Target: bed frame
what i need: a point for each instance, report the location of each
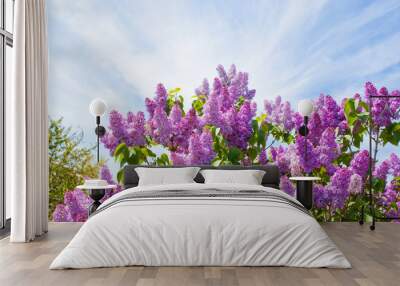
(270, 179)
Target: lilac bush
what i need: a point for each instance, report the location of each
(76, 202)
(222, 126)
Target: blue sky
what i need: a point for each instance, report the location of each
(120, 50)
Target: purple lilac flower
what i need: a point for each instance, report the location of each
(395, 105)
(246, 161)
(360, 163)
(211, 111)
(336, 193)
(356, 184)
(262, 158)
(240, 125)
(391, 199)
(130, 131)
(395, 164)
(200, 149)
(207, 142)
(320, 196)
(234, 88)
(117, 125)
(182, 131)
(287, 116)
(328, 150)
(225, 101)
(105, 174)
(281, 114)
(390, 166)
(338, 188)
(160, 127)
(298, 120)
(150, 106)
(217, 86)
(278, 155)
(175, 115)
(77, 203)
(135, 130)
(286, 186)
(309, 160)
(110, 142)
(382, 170)
(204, 89)
(161, 96)
(329, 111)
(341, 179)
(294, 161)
(381, 111)
(62, 214)
(315, 128)
(178, 159)
(232, 72)
(222, 74)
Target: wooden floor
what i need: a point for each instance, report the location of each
(375, 257)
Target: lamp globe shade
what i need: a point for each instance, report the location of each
(97, 107)
(305, 107)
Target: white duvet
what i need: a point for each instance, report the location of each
(200, 231)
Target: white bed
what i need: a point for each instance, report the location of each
(185, 230)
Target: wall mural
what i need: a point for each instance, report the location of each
(234, 116)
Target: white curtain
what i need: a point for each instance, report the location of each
(27, 123)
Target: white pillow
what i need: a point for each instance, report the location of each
(166, 176)
(248, 177)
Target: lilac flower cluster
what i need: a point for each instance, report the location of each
(221, 108)
(384, 110)
(173, 130)
(391, 196)
(334, 195)
(391, 199)
(308, 160)
(390, 166)
(227, 105)
(287, 186)
(130, 130)
(262, 158)
(200, 150)
(360, 163)
(327, 115)
(328, 150)
(280, 113)
(76, 202)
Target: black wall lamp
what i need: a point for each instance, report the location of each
(97, 108)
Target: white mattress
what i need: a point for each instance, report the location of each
(200, 231)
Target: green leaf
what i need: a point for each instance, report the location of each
(120, 149)
(391, 134)
(252, 153)
(174, 91)
(349, 107)
(234, 155)
(261, 137)
(148, 152)
(364, 105)
(120, 176)
(217, 162)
